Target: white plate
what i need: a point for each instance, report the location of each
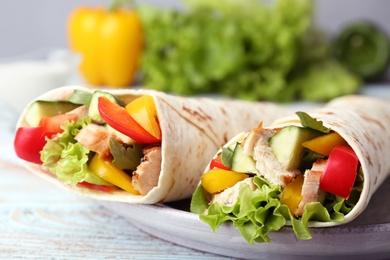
(367, 237)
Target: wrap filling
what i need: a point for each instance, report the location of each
(95, 141)
(272, 177)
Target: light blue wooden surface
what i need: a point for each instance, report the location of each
(40, 220)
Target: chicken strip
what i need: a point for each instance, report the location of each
(81, 112)
(266, 162)
(254, 136)
(96, 138)
(229, 196)
(146, 176)
(311, 191)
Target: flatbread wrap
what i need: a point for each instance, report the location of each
(311, 169)
(135, 146)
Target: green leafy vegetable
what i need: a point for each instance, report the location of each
(84, 98)
(80, 97)
(257, 213)
(308, 157)
(250, 49)
(322, 80)
(67, 158)
(199, 201)
(125, 157)
(227, 156)
(364, 48)
(312, 123)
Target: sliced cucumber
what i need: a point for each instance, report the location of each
(242, 162)
(287, 145)
(93, 112)
(41, 108)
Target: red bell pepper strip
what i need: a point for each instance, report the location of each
(29, 142)
(119, 119)
(340, 171)
(104, 188)
(217, 163)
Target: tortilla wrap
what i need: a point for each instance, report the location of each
(363, 123)
(193, 129)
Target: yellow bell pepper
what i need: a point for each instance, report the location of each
(217, 180)
(107, 171)
(144, 112)
(324, 144)
(109, 42)
(292, 193)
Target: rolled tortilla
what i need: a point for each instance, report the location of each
(193, 129)
(362, 122)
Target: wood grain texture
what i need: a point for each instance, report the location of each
(39, 220)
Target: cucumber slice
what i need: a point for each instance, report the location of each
(287, 145)
(41, 108)
(242, 162)
(93, 111)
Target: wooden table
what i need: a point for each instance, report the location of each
(40, 220)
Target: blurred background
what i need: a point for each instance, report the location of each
(37, 30)
(26, 26)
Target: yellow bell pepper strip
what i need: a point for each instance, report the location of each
(144, 112)
(217, 180)
(292, 193)
(109, 42)
(118, 118)
(107, 171)
(340, 171)
(324, 144)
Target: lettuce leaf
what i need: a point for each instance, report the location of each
(80, 97)
(245, 47)
(257, 213)
(67, 158)
(254, 50)
(227, 156)
(312, 123)
(125, 158)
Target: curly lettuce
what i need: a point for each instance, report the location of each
(254, 50)
(67, 158)
(257, 213)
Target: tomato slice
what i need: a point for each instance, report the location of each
(29, 142)
(119, 119)
(53, 123)
(217, 163)
(340, 171)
